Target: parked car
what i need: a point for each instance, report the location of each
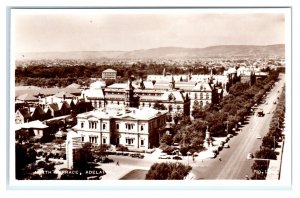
(177, 157)
(164, 156)
(226, 145)
(249, 156)
(258, 137)
(107, 160)
(137, 155)
(212, 155)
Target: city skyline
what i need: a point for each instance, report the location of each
(135, 31)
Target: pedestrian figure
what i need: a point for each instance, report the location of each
(193, 159)
(117, 163)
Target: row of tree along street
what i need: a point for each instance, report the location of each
(270, 141)
(221, 119)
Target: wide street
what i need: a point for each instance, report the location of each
(234, 164)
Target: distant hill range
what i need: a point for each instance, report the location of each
(165, 52)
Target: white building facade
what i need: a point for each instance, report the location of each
(116, 125)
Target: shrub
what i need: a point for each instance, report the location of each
(168, 171)
(41, 164)
(122, 148)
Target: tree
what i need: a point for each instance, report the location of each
(25, 161)
(168, 171)
(266, 153)
(166, 139)
(101, 149)
(198, 111)
(49, 171)
(269, 141)
(259, 169)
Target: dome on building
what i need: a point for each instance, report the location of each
(98, 85)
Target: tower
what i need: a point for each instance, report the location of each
(164, 72)
(141, 84)
(172, 83)
(129, 101)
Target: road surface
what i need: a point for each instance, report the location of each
(234, 164)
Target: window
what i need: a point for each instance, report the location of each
(142, 142)
(129, 126)
(104, 140)
(142, 128)
(117, 126)
(93, 125)
(82, 124)
(129, 140)
(103, 126)
(82, 139)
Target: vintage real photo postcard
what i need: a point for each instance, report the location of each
(193, 95)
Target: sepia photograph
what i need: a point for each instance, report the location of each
(194, 95)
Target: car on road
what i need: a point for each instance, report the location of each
(164, 156)
(226, 145)
(212, 155)
(266, 103)
(258, 137)
(274, 102)
(137, 155)
(177, 157)
(249, 156)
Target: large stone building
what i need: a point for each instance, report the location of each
(135, 128)
(139, 94)
(109, 74)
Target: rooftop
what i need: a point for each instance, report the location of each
(121, 112)
(110, 70)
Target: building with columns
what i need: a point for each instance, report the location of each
(139, 94)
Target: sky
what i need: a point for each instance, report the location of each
(134, 31)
